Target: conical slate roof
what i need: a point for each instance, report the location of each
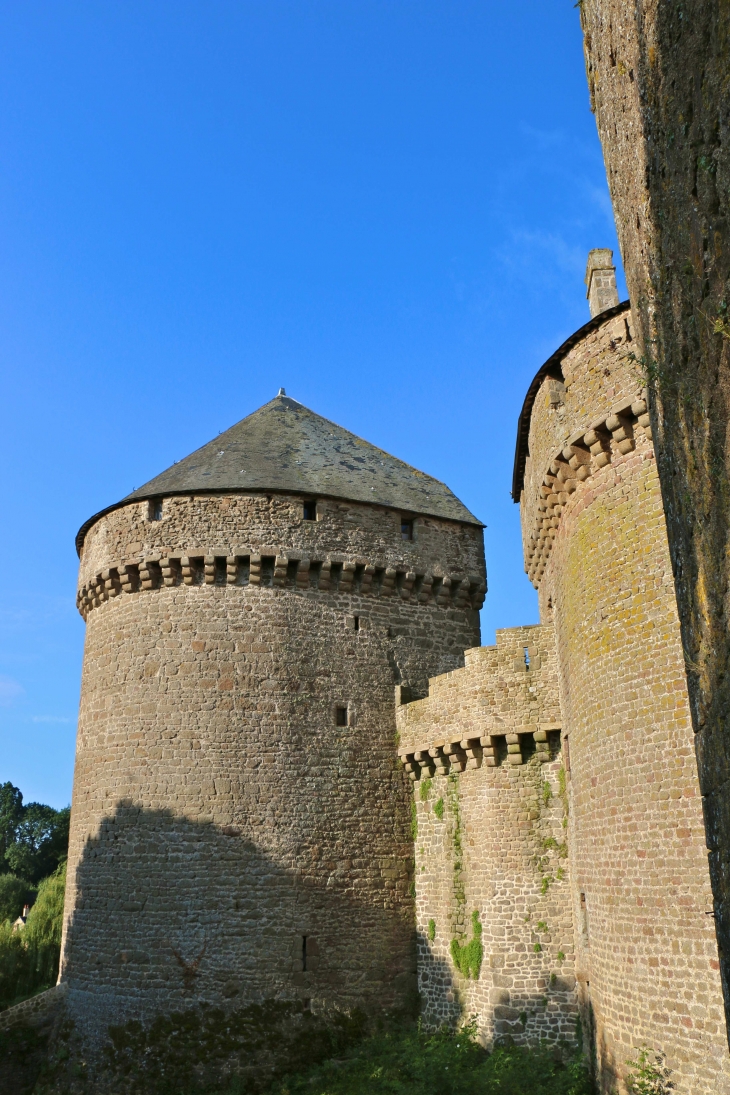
(283, 446)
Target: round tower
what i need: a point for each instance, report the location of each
(596, 550)
(240, 828)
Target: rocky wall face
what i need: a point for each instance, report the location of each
(231, 524)
(493, 910)
(647, 962)
(240, 827)
(658, 77)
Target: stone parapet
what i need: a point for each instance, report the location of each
(279, 569)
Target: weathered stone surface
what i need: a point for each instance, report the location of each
(659, 76)
(496, 845)
(555, 783)
(240, 824)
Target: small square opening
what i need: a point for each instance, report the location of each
(406, 528)
(340, 716)
(310, 511)
(155, 510)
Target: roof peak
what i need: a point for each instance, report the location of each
(284, 446)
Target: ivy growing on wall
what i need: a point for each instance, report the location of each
(468, 957)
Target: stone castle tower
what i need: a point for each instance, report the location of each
(241, 825)
(240, 822)
(560, 821)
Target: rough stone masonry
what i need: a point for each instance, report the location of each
(519, 836)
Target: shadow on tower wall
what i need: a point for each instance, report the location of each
(191, 951)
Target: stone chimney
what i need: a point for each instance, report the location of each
(601, 281)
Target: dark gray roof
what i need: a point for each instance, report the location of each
(283, 446)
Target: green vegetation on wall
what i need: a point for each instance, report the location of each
(468, 958)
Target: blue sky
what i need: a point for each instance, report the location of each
(384, 206)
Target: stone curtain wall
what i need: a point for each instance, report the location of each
(647, 960)
(231, 840)
(490, 826)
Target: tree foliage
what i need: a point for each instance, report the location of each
(29, 956)
(14, 894)
(33, 837)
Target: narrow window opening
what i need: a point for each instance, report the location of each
(357, 623)
(584, 918)
(566, 755)
(304, 952)
(310, 511)
(155, 510)
(399, 580)
(340, 716)
(406, 529)
(526, 651)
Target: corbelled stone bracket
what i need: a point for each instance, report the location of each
(280, 570)
(586, 452)
(489, 751)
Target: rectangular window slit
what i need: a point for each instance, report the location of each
(304, 953)
(310, 511)
(340, 716)
(406, 528)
